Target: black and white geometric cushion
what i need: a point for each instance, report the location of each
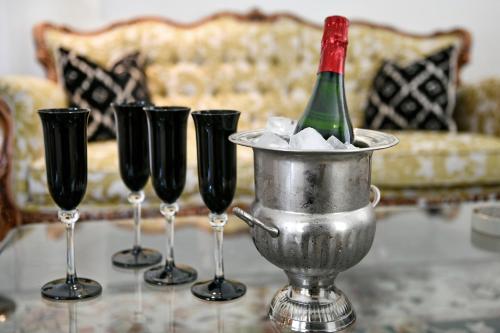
(418, 96)
(88, 85)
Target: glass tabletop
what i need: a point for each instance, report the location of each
(423, 274)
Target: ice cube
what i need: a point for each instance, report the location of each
(281, 125)
(336, 143)
(309, 139)
(270, 140)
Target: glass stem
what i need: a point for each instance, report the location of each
(137, 226)
(169, 211)
(136, 199)
(69, 219)
(218, 221)
(70, 259)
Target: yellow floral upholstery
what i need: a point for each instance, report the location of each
(262, 68)
(478, 107)
(25, 95)
(422, 161)
(437, 159)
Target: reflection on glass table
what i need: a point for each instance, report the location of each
(7, 308)
(423, 274)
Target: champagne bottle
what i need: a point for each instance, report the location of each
(327, 110)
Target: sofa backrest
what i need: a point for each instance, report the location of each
(255, 63)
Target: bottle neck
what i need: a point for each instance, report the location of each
(327, 110)
(335, 82)
(333, 58)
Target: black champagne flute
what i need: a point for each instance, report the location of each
(132, 136)
(65, 139)
(217, 184)
(167, 149)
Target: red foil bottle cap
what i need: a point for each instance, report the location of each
(334, 44)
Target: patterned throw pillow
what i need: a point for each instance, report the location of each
(90, 86)
(418, 96)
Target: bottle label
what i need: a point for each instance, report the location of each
(334, 45)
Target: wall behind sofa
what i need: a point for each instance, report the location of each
(17, 17)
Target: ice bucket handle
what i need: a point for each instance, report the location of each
(376, 195)
(252, 221)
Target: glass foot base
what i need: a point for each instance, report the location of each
(218, 290)
(59, 290)
(136, 258)
(170, 275)
(332, 314)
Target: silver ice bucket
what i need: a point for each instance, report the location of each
(312, 217)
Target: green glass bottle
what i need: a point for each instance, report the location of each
(327, 110)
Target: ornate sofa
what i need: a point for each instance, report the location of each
(259, 64)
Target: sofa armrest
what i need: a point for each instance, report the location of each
(9, 212)
(478, 107)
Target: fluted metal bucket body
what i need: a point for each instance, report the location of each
(320, 205)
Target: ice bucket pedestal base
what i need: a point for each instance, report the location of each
(311, 310)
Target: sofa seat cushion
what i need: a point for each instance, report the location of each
(421, 160)
(105, 186)
(432, 159)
